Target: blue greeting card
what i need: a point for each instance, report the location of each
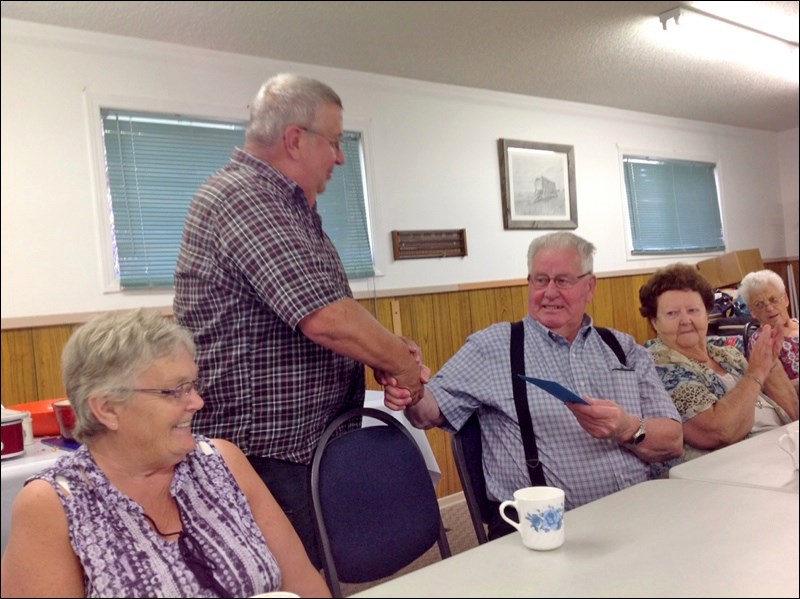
(556, 390)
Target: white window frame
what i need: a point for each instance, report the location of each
(623, 151)
(94, 102)
(373, 208)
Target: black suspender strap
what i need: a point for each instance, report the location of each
(613, 343)
(517, 355)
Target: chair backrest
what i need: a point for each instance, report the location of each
(750, 328)
(374, 504)
(468, 454)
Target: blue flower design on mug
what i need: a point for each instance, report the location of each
(549, 519)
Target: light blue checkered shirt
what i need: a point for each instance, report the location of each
(478, 377)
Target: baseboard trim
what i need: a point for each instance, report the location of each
(450, 500)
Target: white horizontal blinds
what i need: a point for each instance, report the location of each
(343, 210)
(673, 206)
(155, 163)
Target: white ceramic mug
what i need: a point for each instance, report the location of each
(541, 516)
(789, 443)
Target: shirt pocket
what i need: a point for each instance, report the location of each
(623, 389)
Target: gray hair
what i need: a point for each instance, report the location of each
(285, 100)
(563, 240)
(105, 356)
(756, 281)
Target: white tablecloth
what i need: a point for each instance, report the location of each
(755, 462)
(662, 538)
(14, 473)
(374, 399)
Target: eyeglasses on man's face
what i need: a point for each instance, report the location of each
(560, 281)
(334, 142)
(181, 393)
(773, 301)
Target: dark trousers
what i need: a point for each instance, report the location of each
(497, 527)
(290, 484)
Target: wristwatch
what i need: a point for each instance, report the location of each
(638, 436)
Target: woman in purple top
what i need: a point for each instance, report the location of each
(145, 508)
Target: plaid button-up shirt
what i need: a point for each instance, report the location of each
(254, 261)
(478, 377)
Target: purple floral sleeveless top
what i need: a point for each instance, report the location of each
(121, 554)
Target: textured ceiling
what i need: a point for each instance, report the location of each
(604, 53)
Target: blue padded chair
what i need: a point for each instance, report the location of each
(374, 504)
(468, 455)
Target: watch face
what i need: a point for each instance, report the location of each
(638, 436)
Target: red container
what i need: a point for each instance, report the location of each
(65, 416)
(43, 416)
(13, 437)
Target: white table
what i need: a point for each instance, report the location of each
(662, 538)
(754, 462)
(15, 472)
(374, 399)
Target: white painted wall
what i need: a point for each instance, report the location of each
(432, 159)
(789, 156)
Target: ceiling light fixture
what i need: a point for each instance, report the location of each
(678, 12)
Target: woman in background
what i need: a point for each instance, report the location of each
(765, 295)
(720, 396)
(145, 508)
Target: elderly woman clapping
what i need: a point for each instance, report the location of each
(720, 396)
(145, 508)
(765, 295)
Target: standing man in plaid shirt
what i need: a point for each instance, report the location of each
(281, 343)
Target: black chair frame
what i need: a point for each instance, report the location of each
(749, 328)
(468, 454)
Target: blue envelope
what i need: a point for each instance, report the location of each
(61, 443)
(556, 390)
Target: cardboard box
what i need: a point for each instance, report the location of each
(729, 269)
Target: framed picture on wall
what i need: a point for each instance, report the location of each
(537, 184)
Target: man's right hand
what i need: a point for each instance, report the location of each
(396, 395)
(397, 398)
(407, 387)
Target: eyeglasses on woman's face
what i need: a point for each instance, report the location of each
(773, 301)
(179, 394)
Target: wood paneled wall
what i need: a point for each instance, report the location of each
(438, 322)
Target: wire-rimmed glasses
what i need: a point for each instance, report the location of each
(335, 143)
(180, 393)
(560, 281)
(773, 301)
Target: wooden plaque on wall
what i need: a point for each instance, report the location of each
(436, 243)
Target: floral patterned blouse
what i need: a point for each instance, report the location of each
(694, 387)
(790, 348)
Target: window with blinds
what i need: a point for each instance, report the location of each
(673, 206)
(343, 209)
(155, 163)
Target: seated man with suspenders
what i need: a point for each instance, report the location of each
(589, 450)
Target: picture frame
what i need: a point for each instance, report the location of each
(537, 185)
